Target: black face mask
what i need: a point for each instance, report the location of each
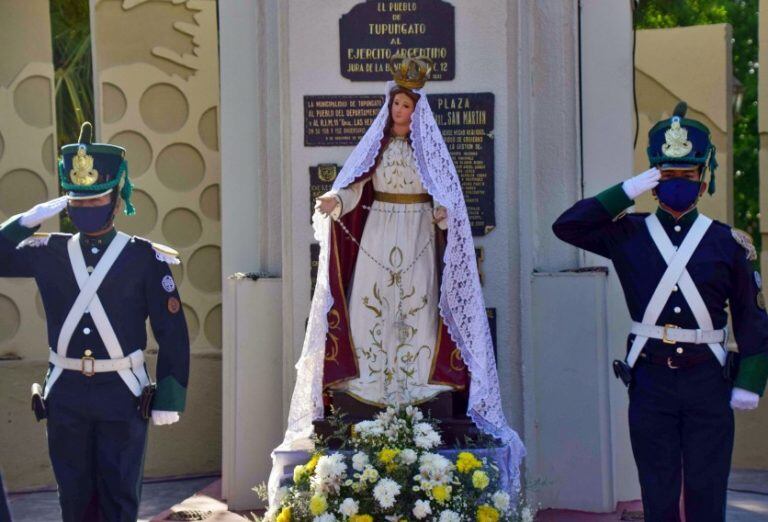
(91, 219)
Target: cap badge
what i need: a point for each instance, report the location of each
(676, 137)
(82, 172)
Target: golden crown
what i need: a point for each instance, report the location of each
(410, 72)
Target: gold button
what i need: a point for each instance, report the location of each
(88, 353)
(679, 350)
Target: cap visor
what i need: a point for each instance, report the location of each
(87, 195)
(678, 166)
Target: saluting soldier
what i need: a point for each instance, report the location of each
(98, 287)
(680, 271)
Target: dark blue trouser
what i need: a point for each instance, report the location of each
(96, 440)
(681, 427)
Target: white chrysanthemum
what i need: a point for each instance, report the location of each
(349, 507)
(329, 473)
(408, 456)
(359, 461)
(421, 509)
(501, 501)
(385, 492)
(449, 516)
(370, 474)
(526, 514)
(325, 517)
(434, 470)
(425, 436)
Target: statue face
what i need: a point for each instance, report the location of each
(402, 108)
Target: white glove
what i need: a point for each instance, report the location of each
(163, 418)
(743, 399)
(644, 182)
(43, 211)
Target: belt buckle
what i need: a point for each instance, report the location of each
(92, 371)
(664, 338)
(671, 365)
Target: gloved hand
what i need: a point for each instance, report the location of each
(644, 182)
(43, 211)
(743, 399)
(163, 418)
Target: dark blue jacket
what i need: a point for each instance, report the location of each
(719, 267)
(139, 285)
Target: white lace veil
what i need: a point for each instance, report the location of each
(461, 299)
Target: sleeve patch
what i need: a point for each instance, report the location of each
(169, 285)
(173, 305)
(745, 240)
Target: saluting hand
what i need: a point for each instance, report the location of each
(42, 212)
(743, 399)
(641, 183)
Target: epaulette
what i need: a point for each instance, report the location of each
(162, 252)
(166, 254)
(745, 240)
(39, 239)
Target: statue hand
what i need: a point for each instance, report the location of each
(440, 217)
(326, 204)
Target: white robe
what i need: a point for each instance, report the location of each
(394, 320)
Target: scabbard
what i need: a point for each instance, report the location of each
(38, 403)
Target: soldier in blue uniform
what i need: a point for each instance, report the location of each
(98, 287)
(680, 271)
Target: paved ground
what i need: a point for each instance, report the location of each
(747, 501)
(156, 497)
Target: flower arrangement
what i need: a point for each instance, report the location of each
(392, 474)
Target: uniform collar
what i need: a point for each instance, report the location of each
(685, 220)
(99, 241)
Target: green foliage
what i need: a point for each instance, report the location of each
(743, 17)
(71, 35)
(73, 72)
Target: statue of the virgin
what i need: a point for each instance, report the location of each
(398, 315)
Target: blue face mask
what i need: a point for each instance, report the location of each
(679, 194)
(91, 219)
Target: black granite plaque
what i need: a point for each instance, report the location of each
(480, 257)
(491, 313)
(375, 30)
(466, 122)
(321, 178)
(338, 120)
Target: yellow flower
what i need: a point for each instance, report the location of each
(310, 466)
(467, 462)
(318, 504)
(480, 479)
(285, 515)
(441, 493)
(361, 518)
(387, 455)
(298, 472)
(486, 513)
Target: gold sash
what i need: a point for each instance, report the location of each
(403, 199)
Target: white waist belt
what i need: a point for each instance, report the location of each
(90, 366)
(671, 334)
